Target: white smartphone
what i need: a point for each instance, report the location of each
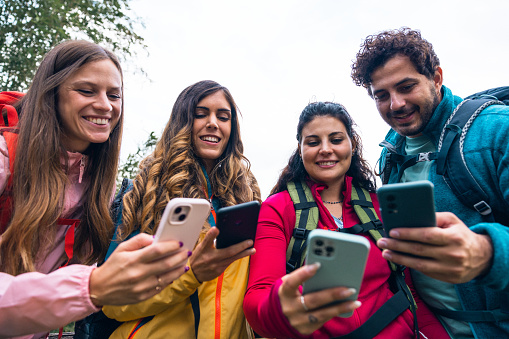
(182, 220)
(342, 259)
(409, 204)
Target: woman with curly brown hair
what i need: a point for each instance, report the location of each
(199, 155)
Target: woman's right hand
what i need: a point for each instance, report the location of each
(137, 270)
(208, 262)
(306, 321)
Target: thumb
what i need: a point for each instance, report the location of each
(292, 281)
(212, 234)
(446, 219)
(135, 243)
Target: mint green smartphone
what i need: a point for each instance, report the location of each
(409, 204)
(342, 259)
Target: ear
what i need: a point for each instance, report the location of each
(438, 80)
(298, 149)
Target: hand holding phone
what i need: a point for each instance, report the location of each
(409, 204)
(342, 259)
(182, 220)
(237, 223)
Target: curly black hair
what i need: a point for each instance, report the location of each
(377, 49)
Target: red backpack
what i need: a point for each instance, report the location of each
(9, 130)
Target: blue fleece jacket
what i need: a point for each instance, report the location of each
(486, 151)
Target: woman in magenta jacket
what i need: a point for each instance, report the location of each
(329, 158)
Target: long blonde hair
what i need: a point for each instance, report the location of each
(174, 170)
(39, 180)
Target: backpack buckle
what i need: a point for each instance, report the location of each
(483, 208)
(423, 157)
(300, 233)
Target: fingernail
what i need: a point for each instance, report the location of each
(313, 267)
(382, 242)
(394, 234)
(349, 292)
(386, 255)
(181, 243)
(189, 253)
(186, 269)
(356, 304)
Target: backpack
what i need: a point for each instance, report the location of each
(306, 220)
(449, 157)
(8, 128)
(98, 325)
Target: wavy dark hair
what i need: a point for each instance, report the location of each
(359, 169)
(174, 169)
(40, 180)
(377, 49)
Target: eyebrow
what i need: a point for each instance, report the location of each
(92, 84)
(208, 109)
(330, 134)
(397, 84)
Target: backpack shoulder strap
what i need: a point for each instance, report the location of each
(11, 139)
(451, 162)
(306, 219)
(116, 213)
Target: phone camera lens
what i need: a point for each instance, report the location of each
(329, 249)
(182, 217)
(391, 197)
(319, 243)
(392, 205)
(178, 210)
(318, 251)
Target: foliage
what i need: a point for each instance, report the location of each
(130, 167)
(30, 28)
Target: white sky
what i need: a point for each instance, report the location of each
(277, 56)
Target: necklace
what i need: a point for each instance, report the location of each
(332, 202)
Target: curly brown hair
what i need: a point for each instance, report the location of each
(174, 169)
(377, 49)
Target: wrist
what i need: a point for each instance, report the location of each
(487, 254)
(93, 289)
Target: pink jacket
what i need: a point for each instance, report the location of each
(261, 303)
(38, 302)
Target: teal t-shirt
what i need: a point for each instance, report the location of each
(428, 287)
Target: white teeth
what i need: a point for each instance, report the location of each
(211, 139)
(98, 121)
(327, 163)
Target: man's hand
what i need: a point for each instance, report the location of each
(450, 252)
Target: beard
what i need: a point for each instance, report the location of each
(426, 111)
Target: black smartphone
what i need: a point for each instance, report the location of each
(237, 223)
(409, 204)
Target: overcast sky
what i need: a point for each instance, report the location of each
(277, 56)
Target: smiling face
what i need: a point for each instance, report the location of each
(326, 150)
(211, 128)
(90, 104)
(405, 98)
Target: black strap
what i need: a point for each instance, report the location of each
(195, 304)
(389, 311)
(472, 316)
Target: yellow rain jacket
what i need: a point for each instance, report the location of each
(221, 314)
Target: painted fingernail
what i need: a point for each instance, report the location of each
(181, 243)
(355, 304)
(189, 253)
(348, 292)
(186, 269)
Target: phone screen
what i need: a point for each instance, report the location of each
(237, 223)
